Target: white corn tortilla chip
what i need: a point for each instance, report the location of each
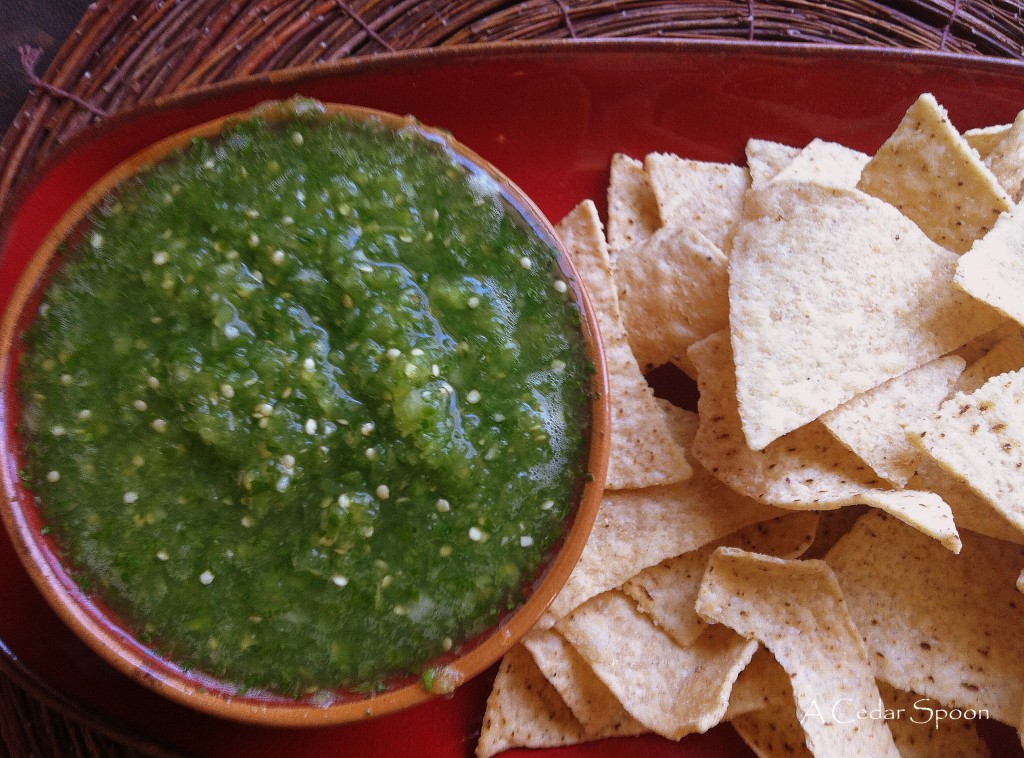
(806, 469)
(524, 710)
(765, 159)
(993, 269)
(704, 196)
(1006, 159)
(796, 610)
(590, 700)
(929, 171)
(667, 592)
(635, 529)
(673, 291)
(827, 163)
(873, 424)
(832, 292)
(945, 626)
(985, 138)
(979, 438)
(1005, 356)
(917, 732)
(632, 209)
(670, 689)
(643, 452)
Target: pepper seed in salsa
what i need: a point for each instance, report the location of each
(306, 404)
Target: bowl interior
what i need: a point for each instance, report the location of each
(106, 633)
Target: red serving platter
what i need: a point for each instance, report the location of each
(549, 115)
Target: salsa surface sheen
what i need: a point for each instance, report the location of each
(306, 404)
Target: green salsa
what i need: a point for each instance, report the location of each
(306, 404)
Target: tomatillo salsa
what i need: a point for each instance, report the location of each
(307, 404)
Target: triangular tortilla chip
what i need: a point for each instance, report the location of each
(704, 196)
(524, 710)
(806, 469)
(929, 171)
(993, 270)
(1006, 159)
(979, 438)
(945, 626)
(1005, 356)
(985, 138)
(796, 610)
(765, 159)
(674, 290)
(590, 700)
(667, 592)
(643, 452)
(832, 292)
(873, 424)
(687, 691)
(826, 163)
(632, 209)
(635, 529)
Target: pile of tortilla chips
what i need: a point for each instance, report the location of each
(828, 554)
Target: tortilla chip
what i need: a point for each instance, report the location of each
(668, 592)
(873, 424)
(806, 469)
(979, 438)
(670, 689)
(590, 700)
(761, 683)
(985, 138)
(632, 209)
(832, 525)
(1006, 159)
(643, 452)
(674, 290)
(970, 510)
(1005, 356)
(993, 269)
(773, 732)
(826, 163)
(980, 345)
(947, 627)
(765, 159)
(524, 710)
(807, 275)
(636, 529)
(918, 735)
(704, 196)
(796, 610)
(930, 172)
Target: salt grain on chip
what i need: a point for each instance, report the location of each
(643, 452)
(945, 626)
(796, 609)
(929, 171)
(832, 292)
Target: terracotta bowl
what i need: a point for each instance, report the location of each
(113, 640)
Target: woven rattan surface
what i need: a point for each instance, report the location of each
(125, 52)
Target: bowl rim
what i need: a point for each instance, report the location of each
(115, 644)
